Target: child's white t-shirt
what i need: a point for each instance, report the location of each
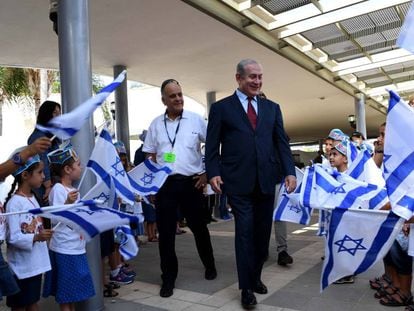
(65, 240)
(26, 258)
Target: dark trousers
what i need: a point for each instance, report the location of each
(180, 194)
(253, 220)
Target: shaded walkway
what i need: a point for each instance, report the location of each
(290, 288)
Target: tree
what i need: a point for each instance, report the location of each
(22, 86)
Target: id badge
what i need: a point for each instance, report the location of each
(169, 157)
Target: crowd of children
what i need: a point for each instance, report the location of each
(393, 288)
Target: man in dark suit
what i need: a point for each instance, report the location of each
(247, 150)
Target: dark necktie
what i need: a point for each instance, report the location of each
(251, 113)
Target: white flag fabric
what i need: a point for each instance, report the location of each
(102, 192)
(107, 165)
(363, 168)
(148, 177)
(288, 206)
(322, 190)
(356, 240)
(88, 219)
(399, 156)
(68, 124)
(128, 247)
(406, 39)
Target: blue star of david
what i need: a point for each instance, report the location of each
(339, 189)
(294, 208)
(103, 196)
(147, 179)
(357, 243)
(115, 167)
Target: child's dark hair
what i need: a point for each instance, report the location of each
(18, 181)
(57, 169)
(45, 113)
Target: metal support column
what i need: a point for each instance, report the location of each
(361, 125)
(76, 87)
(121, 110)
(211, 98)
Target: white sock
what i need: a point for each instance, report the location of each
(115, 272)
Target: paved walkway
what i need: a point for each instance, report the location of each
(290, 288)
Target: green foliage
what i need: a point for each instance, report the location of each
(13, 83)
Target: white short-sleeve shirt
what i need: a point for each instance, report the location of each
(187, 148)
(65, 240)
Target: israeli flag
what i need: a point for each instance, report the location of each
(399, 156)
(288, 206)
(323, 190)
(148, 177)
(128, 247)
(363, 168)
(68, 124)
(356, 240)
(323, 221)
(406, 39)
(107, 165)
(105, 194)
(88, 219)
(351, 152)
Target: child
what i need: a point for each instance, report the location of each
(70, 280)
(338, 158)
(26, 238)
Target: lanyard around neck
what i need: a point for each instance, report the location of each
(172, 141)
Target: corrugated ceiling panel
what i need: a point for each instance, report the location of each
(370, 40)
(340, 47)
(391, 34)
(280, 6)
(365, 73)
(385, 16)
(357, 23)
(323, 33)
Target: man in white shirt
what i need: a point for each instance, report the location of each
(174, 139)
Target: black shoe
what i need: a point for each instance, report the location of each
(260, 288)
(248, 300)
(210, 274)
(284, 259)
(166, 290)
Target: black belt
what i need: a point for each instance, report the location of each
(180, 177)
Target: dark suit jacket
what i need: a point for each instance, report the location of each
(247, 155)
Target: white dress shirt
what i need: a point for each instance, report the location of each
(187, 147)
(244, 101)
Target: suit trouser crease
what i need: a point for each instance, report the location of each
(174, 195)
(253, 225)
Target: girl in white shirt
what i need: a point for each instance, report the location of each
(26, 238)
(70, 280)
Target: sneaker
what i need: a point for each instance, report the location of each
(121, 278)
(227, 217)
(284, 259)
(128, 271)
(346, 280)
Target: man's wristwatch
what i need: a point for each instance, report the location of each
(17, 159)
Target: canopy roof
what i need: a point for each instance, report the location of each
(312, 51)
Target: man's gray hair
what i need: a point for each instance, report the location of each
(240, 69)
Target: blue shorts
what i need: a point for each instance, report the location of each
(149, 213)
(29, 292)
(399, 259)
(8, 284)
